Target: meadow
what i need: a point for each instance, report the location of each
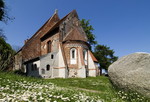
(17, 88)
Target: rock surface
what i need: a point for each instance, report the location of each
(132, 72)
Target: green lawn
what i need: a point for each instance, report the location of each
(23, 89)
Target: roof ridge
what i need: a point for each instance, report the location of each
(57, 24)
(43, 26)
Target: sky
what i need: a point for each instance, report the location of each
(122, 25)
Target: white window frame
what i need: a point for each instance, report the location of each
(73, 59)
(85, 56)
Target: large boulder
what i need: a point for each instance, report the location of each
(132, 72)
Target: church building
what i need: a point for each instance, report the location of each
(59, 49)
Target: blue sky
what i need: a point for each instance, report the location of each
(123, 25)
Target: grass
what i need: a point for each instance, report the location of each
(23, 89)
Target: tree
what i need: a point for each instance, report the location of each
(3, 12)
(88, 30)
(105, 56)
(2, 34)
(6, 52)
(3, 17)
(6, 55)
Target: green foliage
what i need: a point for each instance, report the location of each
(6, 52)
(104, 55)
(6, 55)
(88, 30)
(2, 34)
(4, 17)
(2, 12)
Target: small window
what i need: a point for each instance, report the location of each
(73, 56)
(85, 54)
(73, 53)
(52, 56)
(48, 67)
(35, 66)
(48, 46)
(43, 71)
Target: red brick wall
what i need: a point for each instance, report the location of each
(32, 48)
(54, 44)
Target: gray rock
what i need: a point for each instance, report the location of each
(132, 72)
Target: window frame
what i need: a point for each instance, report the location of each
(85, 54)
(73, 55)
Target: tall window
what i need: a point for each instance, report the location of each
(48, 46)
(52, 56)
(35, 66)
(85, 56)
(48, 67)
(73, 56)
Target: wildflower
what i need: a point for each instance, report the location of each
(123, 97)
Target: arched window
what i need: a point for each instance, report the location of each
(52, 56)
(35, 66)
(73, 53)
(85, 56)
(48, 46)
(48, 67)
(73, 56)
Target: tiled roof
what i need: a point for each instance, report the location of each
(57, 24)
(54, 18)
(48, 22)
(75, 35)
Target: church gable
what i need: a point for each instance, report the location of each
(71, 28)
(32, 47)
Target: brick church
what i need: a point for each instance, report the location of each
(59, 49)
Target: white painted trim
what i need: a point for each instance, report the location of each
(73, 60)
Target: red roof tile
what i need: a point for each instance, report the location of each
(75, 35)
